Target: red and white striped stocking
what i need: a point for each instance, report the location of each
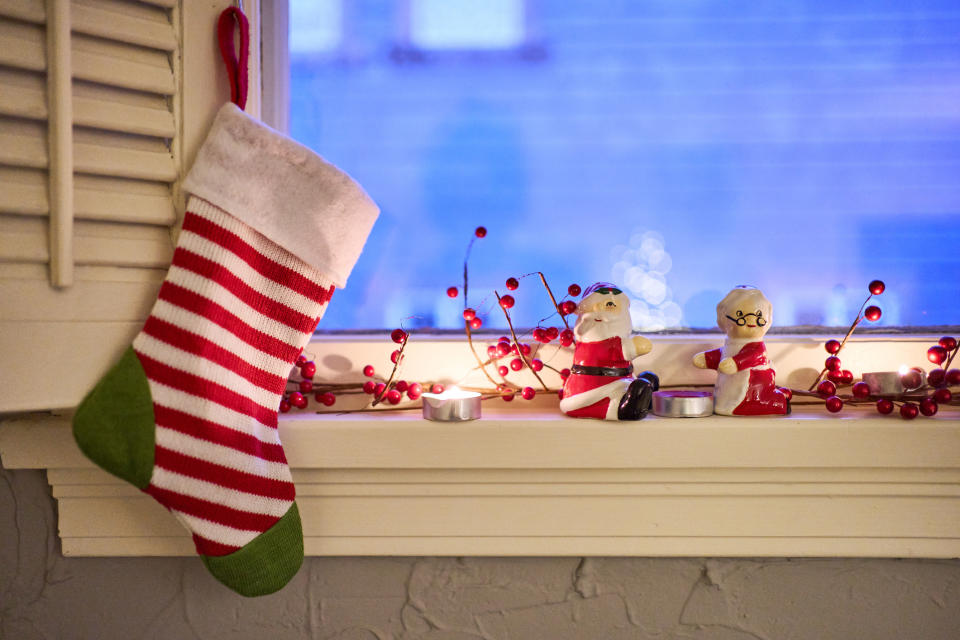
(189, 415)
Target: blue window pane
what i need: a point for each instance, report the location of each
(675, 148)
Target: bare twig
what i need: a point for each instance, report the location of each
(516, 344)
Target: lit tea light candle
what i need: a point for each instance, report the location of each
(893, 383)
(453, 405)
(678, 403)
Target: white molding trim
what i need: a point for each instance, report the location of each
(275, 64)
(533, 482)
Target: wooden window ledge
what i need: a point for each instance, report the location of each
(528, 481)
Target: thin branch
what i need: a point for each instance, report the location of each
(843, 342)
(516, 343)
(552, 299)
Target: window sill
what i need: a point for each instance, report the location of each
(528, 481)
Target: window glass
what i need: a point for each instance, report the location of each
(674, 148)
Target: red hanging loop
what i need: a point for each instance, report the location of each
(236, 70)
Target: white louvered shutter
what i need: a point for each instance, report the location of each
(85, 210)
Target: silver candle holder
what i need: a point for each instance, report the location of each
(678, 403)
(453, 405)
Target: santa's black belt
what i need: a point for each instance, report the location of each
(612, 372)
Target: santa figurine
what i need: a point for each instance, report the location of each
(601, 383)
(746, 383)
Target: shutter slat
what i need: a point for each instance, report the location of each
(115, 116)
(122, 65)
(26, 10)
(126, 163)
(120, 21)
(118, 200)
(22, 46)
(23, 95)
(23, 240)
(23, 143)
(24, 192)
(95, 198)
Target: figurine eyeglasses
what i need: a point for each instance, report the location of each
(741, 319)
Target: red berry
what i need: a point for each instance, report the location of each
(937, 354)
(492, 352)
(525, 348)
(835, 377)
(908, 411)
(826, 388)
(379, 389)
(567, 307)
(395, 356)
(536, 364)
(284, 406)
(884, 406)
(480, 232)
(832, 346)
(414, 390)
(861, 390)
(539, 334)
(476, 323)
(507, 397)
(301, 359)
(394, 396)
(846, 376)
(876, 287)
(834, 404)
(928, 406)
(872, 313)
(566, 338)
(516, 364)
(787, 393)
(368, 371)
(943, 396)
(936, 377)
(436, 388)
(326, 399)
(948, 343)
(832, 363)
(306, 386)
(564, 373)
(574, 290)
(528, 393)
(512, 283)
(369, 387)
(953, 377)
(560, 393)
(452, 292)
(399, 336)
(912, 379)
(504, 339)
(503, 370)
(469, 314)
(298, 400)
(308, 369)
(507, 301)
(503, 348)
(401, 385)
(552, 333)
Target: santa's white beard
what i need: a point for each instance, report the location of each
(611, 325)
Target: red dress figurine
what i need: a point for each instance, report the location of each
(746, 383)
(601, 383)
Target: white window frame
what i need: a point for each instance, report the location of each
(526, 480)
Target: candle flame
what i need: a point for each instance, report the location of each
(453, 393)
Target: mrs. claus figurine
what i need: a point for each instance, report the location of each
(601, 383)
(745, 377)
